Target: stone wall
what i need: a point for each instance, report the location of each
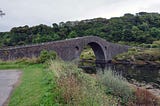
(68, 49)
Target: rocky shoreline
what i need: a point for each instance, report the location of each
(152, 88)
(137, 63)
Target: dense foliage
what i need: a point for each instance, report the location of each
(47, 55)
(139, 28)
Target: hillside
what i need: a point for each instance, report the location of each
(129, 29)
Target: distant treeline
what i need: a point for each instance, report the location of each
(139, 28)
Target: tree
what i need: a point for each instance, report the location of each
(155, 32)
(142, 27)
(1, 13)
(55, 27)
(72, 34)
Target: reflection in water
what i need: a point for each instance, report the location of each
(145, 74)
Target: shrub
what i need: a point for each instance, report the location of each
(157, 43)
(132, 49)
(145, 45)
(116, 85)
(47, 55)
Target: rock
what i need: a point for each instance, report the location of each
(149, 87)
(155, 92)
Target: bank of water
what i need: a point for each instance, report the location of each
(142, 76)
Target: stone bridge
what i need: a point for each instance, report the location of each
(67, 50)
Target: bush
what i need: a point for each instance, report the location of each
(132, 49)
(145, 45)
(116, 85)
(155, 45)
(47, 55)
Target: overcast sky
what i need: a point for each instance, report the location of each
(35, 12)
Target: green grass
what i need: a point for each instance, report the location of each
(10, 65)
(78, 88)
(31, 89)
(61, 83)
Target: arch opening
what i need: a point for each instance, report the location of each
(92, 57)
(87, 53)
(94, 52)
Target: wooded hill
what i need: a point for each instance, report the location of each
(136, 29)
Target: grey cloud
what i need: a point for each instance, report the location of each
(33, 12)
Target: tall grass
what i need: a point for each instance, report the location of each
(116, 85)
(77, 88)
(129, 95)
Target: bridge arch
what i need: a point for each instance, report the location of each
(97, 47)
(98, 50)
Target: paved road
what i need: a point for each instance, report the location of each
(7, 79)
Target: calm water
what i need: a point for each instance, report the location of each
(143, 74)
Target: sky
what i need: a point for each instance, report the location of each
(35, 12)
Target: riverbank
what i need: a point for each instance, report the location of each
(145, 96)
(139, 57)
(148, 87)
(61, 83)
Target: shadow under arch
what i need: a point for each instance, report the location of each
(99, 54)
(98, 51)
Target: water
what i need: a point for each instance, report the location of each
(141, 74)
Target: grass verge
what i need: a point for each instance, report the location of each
(31, 89)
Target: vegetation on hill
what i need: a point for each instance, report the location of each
(129, 29)
(139, 56)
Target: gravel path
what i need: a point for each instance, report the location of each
(8, 78)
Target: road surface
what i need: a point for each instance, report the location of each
(8, 78)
